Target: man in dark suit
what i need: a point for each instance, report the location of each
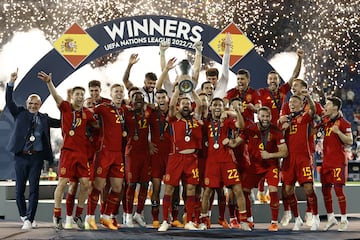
(30, 143)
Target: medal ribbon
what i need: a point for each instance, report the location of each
(264, 140)
(187, 129)
(161, 124)
(215, 133)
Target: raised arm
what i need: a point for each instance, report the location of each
(297, 68)
(197, 63)
(48, 80)
(311, 102)
(132, 60)
(221, 86)
(165, 75)
(198, 108)
(173, 102)
(13, 108)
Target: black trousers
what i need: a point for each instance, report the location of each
(27, 167)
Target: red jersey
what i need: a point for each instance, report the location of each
(249, 96)
(112, 126)
(297, 135)
(178, 133)
(137, 131)
(159, 127)
(259, 140)
(73, 126)
(334, 152)
(274, 100)
(214, 131)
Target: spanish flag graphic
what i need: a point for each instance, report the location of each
(75, 45)
(241, 44)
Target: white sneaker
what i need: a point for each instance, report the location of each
(69, 222)
(164, 226)
(202, 226)
(190, 226)
(343, 226)
(26, 225)
(34, 224)
(245, 226)
(124, 218)
(298, 223)
(308, 219)
(139, 219)
(23, 218)
(129, 220)
(286, 218)
(330, 223)
(315, 223)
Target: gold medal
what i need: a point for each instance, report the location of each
(206, 144)
(124, 133)
(187, 138)
(71, 132)
(136, 137)
(32, 138)
(216, 145)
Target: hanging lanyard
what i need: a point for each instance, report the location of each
(215, 133)
(122, 119)
(161, 125)
(74, 123)
(188, 130)
(151, 100)
(277, 101)
(264, 140)
(136, 134)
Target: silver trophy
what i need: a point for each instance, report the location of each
(184, 72)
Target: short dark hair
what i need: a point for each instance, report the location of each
(235, 99)
(94, 83)
(335, 101)
(151, 76)
(296, 96)
(203, 84)
(212, 72)
(161, 91)
(77, 88)
(264, 108)
(216, 99)
(302, 82)
(245, 72)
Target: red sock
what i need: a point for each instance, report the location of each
(222, 205)
(130, 193)
(166, 206)
(293, 204)
(313, 202)
(175, 213)
(190, 205)
(326, 191)
(248, 204)
(155, 210)
(286, 203)
(141, 199)
(112, 201)
(341, 198)
(70, 203)
(231, 207)
(211, 201)
(57, 212)
(93, 201)
(242, 216)
(79, 211)
(261, 187)
(274, 205)
(197, 209)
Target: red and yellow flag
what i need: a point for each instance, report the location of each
(75, 45)
(241, 44)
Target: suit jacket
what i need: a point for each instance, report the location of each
(22, 126)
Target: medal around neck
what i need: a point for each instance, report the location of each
(71, 132)
(124, 133)
(216, 145)
(136, 137)
(32, 138)
(187, 138)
